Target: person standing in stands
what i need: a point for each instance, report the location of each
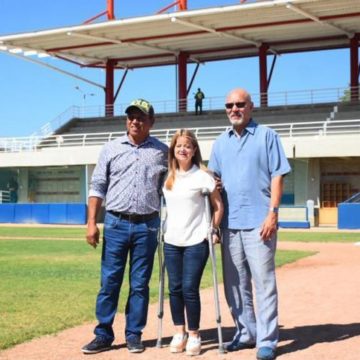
(186, 249)
(199, 96)
(251, 163)
(129, 175)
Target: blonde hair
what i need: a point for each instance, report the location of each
(173, 163)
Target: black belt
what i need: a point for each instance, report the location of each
(135, 218)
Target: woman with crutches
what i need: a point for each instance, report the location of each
(186, 248)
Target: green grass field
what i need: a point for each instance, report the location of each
(319, 237)
(48, 285)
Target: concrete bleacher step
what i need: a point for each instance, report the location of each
(269, 115)
(347, 111)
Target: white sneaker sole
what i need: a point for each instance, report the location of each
(85, 351)
(193, 352)
(176, 350)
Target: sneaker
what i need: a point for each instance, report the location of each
(236, 345)
(193, 346)
(178, 343)
(134, 344)
(266, 353)
(97, 345)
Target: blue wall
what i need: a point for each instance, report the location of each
(349, 216)
(66, 213)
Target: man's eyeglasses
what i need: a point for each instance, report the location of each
(239, 105)
(138, 117)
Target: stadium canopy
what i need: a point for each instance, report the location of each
(198, 36)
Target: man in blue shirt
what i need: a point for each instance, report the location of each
(250, 161)
(129, 176)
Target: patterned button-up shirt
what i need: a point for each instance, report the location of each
(129, 176)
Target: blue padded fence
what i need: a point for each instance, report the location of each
(294, 217)
(63, 213)
(349, 213)
(349, 216)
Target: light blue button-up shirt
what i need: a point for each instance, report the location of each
(129, 176)
(246, 165)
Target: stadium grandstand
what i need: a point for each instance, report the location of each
(319, 128)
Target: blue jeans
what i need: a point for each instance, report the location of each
(121, 238)
(185, 266)
(247, 257)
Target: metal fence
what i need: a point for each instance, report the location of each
(4, 196)
(280, 98)
(285, 130)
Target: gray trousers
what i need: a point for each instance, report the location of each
(247, 257)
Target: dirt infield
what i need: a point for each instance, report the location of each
(319, 317)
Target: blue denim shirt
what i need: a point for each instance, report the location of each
(130, 176)
(246, 165)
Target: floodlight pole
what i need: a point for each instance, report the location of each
(110, 70)
(354, 68)
(109, 88)
(110, 64)
(182, 5)
(263, 75)
(182, 76)
(110, 10)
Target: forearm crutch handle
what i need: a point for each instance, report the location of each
(206, 194)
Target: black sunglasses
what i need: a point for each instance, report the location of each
(138, 117)
(239, 105)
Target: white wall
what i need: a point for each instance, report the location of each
(299, 147)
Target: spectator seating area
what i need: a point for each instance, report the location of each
(269, 115)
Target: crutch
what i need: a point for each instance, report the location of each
(161, 272)
(206, 194)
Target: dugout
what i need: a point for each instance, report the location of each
(47, 195)
(349, 213)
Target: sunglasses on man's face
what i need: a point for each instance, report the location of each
(138, 117)
(239, 105)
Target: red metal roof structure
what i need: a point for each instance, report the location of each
(198, 36)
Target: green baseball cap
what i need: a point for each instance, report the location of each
(142, 105)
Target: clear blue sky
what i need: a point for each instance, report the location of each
(32, 95)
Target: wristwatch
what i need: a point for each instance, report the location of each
(274, 209)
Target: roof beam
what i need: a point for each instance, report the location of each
(316, 19)
(55, 69)
(93, 37)
(15, 49)
(100, 38)
(174, 19)
(119, 42)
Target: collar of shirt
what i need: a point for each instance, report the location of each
(126, 140)
(186, 173)
(250, 128)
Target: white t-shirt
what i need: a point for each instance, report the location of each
(186, 219)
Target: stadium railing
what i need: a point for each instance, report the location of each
(285, 130)
(281, 98)
(4, 196)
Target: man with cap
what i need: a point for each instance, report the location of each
(128, 176)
